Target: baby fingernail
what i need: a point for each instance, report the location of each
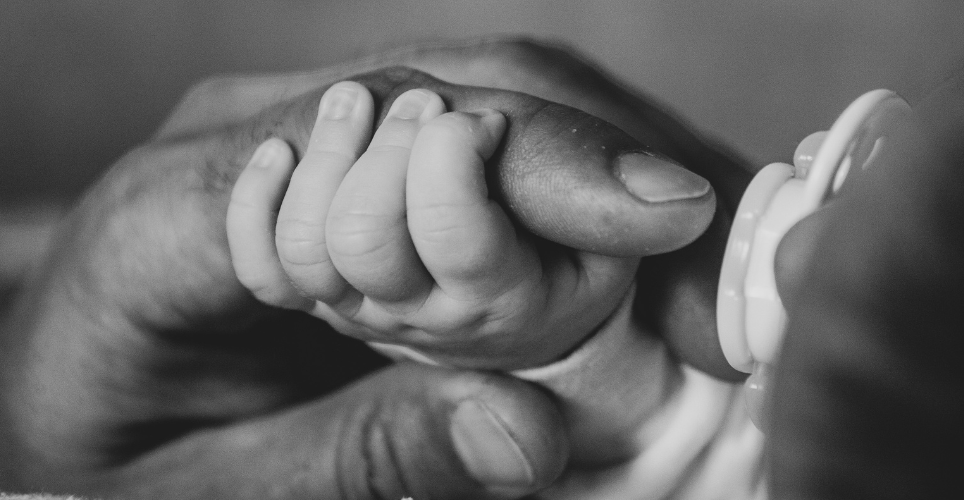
(658, 180)
(267, 153)
(338, 102)
(410, 105)
(488, 450)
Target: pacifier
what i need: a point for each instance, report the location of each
(751, 320)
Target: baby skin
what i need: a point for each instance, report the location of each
(393, 238)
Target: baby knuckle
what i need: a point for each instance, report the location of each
(299, 226)
(477, 266)
(454, 126)
(473, 265)
(300, 242)
(469, 319)
(299, 255)
(389, 150)
(328, 154)
(440, 223)
(458, 319)
(357, 235)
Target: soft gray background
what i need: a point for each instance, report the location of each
(83, 80)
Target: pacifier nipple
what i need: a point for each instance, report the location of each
(806, 152)
(755, 389)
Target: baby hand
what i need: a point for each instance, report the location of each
(394, 238)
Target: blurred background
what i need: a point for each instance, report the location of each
(81, 81)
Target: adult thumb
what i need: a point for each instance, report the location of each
(563, 174)
(407, 431)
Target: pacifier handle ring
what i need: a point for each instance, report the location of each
(837, 144)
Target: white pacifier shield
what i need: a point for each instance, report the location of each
(731, 296)
(764, 310)
(750, 316)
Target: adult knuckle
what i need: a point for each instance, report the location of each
(401, 77)
(375, 470)
(528, 55)
(215, 88)
(520, 47)
(205, 87)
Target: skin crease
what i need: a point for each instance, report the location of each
(686, 279)
(191, 450)
(530, 193)
(131, 300)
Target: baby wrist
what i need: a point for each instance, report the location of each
(594, 384)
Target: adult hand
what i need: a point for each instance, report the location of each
(868, 399)
(677, 296)
(136, 365)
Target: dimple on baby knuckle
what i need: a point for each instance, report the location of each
(442, 224)
(459, 324)
(473, 265)
(457, 260)
(355, 235)
(300, 243)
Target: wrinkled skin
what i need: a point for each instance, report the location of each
(134, 365)
(245, 401)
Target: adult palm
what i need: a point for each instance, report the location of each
(134, 364)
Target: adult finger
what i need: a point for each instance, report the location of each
(408, 431)
(678, 289)
(565, 175)
(251, 218)
(548, 71)
(574, 194)
(367, 233)
(341, 131)
(676, 296)
(684, 311)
